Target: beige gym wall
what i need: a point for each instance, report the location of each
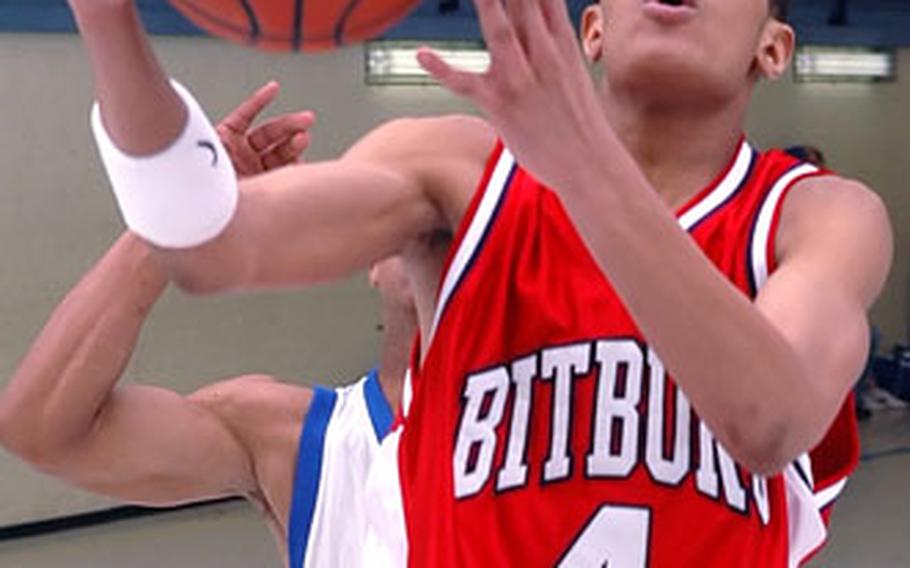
(57, 214)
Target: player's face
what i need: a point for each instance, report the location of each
(685, 48)
(391, 280)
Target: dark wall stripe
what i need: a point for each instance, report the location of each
(93, 519)
(894, 452)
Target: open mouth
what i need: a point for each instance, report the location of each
(670, 11)
(673, 3)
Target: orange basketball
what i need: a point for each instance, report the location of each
(295, 25)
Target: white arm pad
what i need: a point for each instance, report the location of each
(181, 197)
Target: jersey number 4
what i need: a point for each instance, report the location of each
(615, 537)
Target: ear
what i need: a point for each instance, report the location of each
(374, 275)
(592, 32)
(776, 49)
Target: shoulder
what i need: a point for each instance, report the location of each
(444, 156)
(257, 408)
(266, 416)
(831, 216)
(835, 192)
(817, 202)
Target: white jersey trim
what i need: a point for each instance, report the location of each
(724, 190)
(483, 217)
(803, 466)
(407, 393)
(386, 542)
(805, 527)
(762, 232)
(829, 495)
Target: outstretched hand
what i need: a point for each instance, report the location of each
(273, 144)
(537, 93)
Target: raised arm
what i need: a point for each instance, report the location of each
(301, 224)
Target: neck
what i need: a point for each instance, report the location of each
(679, 149)
(399, 325)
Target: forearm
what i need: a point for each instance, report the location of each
(739, 371)
(75, 362)
(139, 108)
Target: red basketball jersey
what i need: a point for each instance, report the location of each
(544, 431)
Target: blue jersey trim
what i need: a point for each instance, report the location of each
(309, 472)
(381, 414)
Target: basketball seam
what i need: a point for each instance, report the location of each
(229, 26)
(379, 20)
(297, 38)
(343, 21)
(255, 30)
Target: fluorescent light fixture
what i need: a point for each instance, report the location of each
(395, 62)
(845, 65)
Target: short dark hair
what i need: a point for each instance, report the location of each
(807, 153)
(780, 8)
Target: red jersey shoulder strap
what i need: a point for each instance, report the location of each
(474, 227)
(721, 191)
(762, 257)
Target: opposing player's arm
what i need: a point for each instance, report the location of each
(63, 412)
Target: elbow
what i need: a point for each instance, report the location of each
(198, 272)
(196, 283)
(13, 429)
(763, 445)
(7, 424)
(27, 433)
(766, 433)
(227, 263)
(42, 453)
(22, 436)
(765, 457)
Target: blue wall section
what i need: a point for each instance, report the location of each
(881, 23)
(872, 22)
(54, 16)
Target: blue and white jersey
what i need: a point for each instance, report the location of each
(340, 440)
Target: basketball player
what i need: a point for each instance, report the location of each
(298, 454)
(608, 237)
